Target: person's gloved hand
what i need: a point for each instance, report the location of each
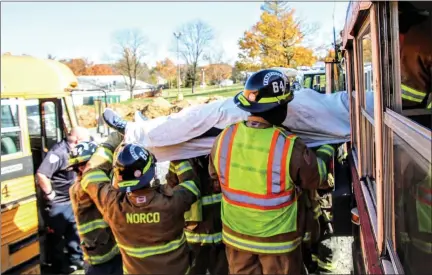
(114, 139)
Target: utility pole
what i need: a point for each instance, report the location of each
(179, 95)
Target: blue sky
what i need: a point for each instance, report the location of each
(85, 29)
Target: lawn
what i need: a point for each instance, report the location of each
(167, 93)
(187, 93)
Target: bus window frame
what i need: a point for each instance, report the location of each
(20, 128)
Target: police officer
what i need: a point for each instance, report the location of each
(146, 218)
(203, 221)
(101, 253)
(55, 181)
(260, 166)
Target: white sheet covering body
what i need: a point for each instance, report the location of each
(316, 118)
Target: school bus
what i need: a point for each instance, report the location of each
(36, 112)
(390, 148)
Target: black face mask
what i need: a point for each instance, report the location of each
(275, 116)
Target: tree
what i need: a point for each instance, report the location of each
(130, 47)
(276, 40)
(167, 69)
(236, 74)
(79, 66)
(100, 69)
(218, 69)
(194, 41)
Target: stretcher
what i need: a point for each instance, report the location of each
(316, 118)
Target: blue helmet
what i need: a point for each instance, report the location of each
(134, 167)
(81, 153)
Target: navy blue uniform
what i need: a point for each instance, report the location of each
(60, 218)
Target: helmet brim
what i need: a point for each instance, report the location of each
(254, 107)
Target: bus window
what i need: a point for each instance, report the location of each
(415, 43)
(66, 117)
(51, 123)
(11, 140)
(413, 208)
(33, 117)
(366, 51)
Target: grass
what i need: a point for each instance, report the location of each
(187, 93)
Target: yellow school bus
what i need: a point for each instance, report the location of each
(390, 149)
(36, 112)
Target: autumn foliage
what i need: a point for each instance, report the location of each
(275, 41)
(167, 69)
(215, 73)
(81, 66)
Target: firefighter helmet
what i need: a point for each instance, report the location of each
(264, 90)
(81, 153)
(134, 167)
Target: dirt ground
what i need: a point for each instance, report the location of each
(157, 107)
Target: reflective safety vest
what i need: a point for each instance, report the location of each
(413, 95)
(424, 209)
(259, 197)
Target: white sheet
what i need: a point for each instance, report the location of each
(316, 118)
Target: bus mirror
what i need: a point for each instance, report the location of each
(355, 218)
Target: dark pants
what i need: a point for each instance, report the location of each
(62, 233)
(211, 258)
(242, 262)
(112, 267)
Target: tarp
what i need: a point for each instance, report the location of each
(316, 118)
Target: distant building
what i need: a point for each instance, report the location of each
(226, 82)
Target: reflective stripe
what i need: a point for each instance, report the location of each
(94, 260)
(105, 153)
(328, 266)
(411, 94)
(77, 160)
(207, 200)
(317, 212)
(422, 245)
(277, 196)
(263, 202)
(326, 149)
(322, 169)
(143, 252)
(274, 99)
(172, 168)
(224, 153)
(90, 226)
(307, 237)
(261, 247)
(183, 167)
(190, 185)
(429, 105)
(96, 176)
(203, 238)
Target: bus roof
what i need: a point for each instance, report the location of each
(354, 12)
(30, 77)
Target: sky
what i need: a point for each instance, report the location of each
(85, 29)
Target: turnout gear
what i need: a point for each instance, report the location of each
(147, 223)
(134, 168)
(264, 90)
(203, 228)
(100, 250)
(260, 169)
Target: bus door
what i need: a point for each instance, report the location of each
(19, 223)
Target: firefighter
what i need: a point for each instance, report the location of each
(101, 253)
(146, 218)
(260, 168)
(416, 57)
(203, 228)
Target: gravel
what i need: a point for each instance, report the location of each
(342, 253)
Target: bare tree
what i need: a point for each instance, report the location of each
(195, 39)
(130, 45)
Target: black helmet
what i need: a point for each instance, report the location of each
(81, 153)
(134, 167)
(264, 90)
